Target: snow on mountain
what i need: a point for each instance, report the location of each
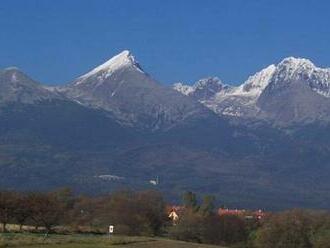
(252, 98)
(292, 70)
(293, 90)
(290, 84)
(255, 84)
(203, 89)
(183, 88)
(228, 100)
(123, 60)
(241, 100)
(134, 98)
(297, 93)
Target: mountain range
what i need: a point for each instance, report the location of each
(293, 91)
(264, 143)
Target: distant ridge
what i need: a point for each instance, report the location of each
(295, 90)
(262, 144)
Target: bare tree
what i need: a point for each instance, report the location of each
(22, 211)
(7, 207)
(46, 209)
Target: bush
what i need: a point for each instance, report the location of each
(290, 229)
(210, 229)
(322, 239)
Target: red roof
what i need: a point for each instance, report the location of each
(226, 211)
(259, 214)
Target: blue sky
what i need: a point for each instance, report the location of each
(56, 41)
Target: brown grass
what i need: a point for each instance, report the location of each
(89, 241)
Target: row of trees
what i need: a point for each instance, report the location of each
(288, 229)
(38, 209)
(144, 213)
(133, 213)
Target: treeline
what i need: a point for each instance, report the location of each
(295, 228)
(132, 213)
(146, 213)
(38, 209)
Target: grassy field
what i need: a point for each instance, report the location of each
(90, 241)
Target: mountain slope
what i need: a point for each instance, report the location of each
(115, 127)
(203, 89)
(121, 87)
(297, 92)
(293, 91)
(15, 86)
(241, 101)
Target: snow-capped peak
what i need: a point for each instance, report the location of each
(255, 84)
(302, 70)
(212, 84)
(183, 88)
(288, 70)
(208, 82)
(294, 63)
(122, 60)
(203, 89)
(241, 100)
(294, 68)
